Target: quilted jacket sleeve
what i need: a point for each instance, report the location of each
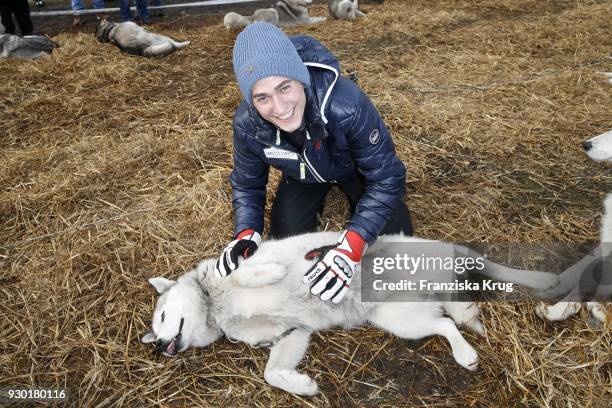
(374, 154)
(248, 180)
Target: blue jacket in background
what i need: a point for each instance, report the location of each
(346, 140)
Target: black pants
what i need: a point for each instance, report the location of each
(21, 10)
(296, 207)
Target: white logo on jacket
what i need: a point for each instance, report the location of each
(374, 136)
(276, 153)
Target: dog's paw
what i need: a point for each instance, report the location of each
(466, 356)
(292, 381)
(476, 326)
(599, 312)
(559, 311)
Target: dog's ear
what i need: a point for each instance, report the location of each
(148, 337)
(161, 284)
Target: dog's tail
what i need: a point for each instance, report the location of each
(257, 275)
(529, 278)
(524, 277)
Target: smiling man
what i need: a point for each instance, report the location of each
(320, 130)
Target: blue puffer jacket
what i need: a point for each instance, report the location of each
(346, 138)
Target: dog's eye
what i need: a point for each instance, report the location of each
(163, 316)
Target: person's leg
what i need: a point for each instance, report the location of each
(98, 5)
(21, 9)
(156, 13)
(77, 7)
(124, 8)
(6, 14)
(295, 207)
(143, 11)
(400, 218)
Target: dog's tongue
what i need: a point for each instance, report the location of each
(170, 350)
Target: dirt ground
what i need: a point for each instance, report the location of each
(113, 170)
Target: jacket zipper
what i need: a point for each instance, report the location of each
(316, 175)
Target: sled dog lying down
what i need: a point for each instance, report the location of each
(598, 148)
(265, 303)
(283, 13)
(28, 47)
(344, 9)
(135, 40)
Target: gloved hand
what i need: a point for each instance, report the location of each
(244, 245)
(332, 275)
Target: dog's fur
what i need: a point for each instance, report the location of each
(265, 300)
(135, 40)
(28, 47)
(284, 14)
(344, 9)
(598, 148)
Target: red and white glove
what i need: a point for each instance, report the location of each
(244, 245)
(331, 276)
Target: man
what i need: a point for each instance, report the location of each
(300, 116)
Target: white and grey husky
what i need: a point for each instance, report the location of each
(598, 148)
(135, 40)
(284, 13)
(28, 47)
(265, 303)
(344, 9)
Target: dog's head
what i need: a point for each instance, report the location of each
(599, 148)
(103, 30)
(181, 317)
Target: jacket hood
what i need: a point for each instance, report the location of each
(323, 66)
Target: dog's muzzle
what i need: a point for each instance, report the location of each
(171, 347)
(167, 348)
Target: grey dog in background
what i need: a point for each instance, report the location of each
(28, 47)
(344, 9)
(283, 13)
(135, 40)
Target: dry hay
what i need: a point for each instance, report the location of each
(114, 169)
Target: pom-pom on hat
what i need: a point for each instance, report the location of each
(263, 50)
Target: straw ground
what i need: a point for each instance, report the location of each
(114, 169)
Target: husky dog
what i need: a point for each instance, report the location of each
(28, 47)
(598, 148)
(233, 21)
(264, 303)
(284, 13)
(135, 40)
(344, 9)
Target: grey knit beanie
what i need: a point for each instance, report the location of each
(263, 50)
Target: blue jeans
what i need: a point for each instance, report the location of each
(141, 6)
(156, 3)
(77, 5)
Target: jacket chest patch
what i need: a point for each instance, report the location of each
(374, 136)
(275, 153)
